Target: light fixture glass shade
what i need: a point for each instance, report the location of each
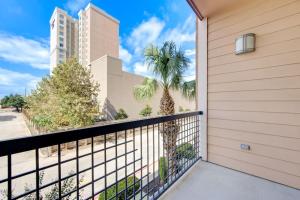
(239, 45)
(245, 44)
(250, 43)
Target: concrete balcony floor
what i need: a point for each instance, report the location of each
(212, 182)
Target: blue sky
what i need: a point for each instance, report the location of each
(24, 35)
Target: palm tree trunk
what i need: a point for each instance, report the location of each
(169, 131)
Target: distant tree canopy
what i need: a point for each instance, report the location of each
(66, 99)
(16, 101)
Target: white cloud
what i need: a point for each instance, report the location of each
(190, 52)
(156, 31)
(18, 49)
(191, 71)
(124, 54)
(75, 5)
(16, 82)
(125, 68)
(144, 34)
(141, 69)
(182, 33)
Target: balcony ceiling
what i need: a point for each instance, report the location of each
(205, 8)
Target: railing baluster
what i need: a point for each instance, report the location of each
(116, 162)
(147, 162)
(164, 155)
(59, 171)
(9, 172)
(37, 174)
(93, 170)
(158, 154)
(105, 169)
(153, 161)
(134, 181)
(126, 182)
(77, 170)
(141, 149)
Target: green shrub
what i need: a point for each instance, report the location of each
(180, 109)
(145, 112)
(121, 114)
(163, 169)
(111, 192)
(185, 150)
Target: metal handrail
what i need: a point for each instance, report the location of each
(18, 145)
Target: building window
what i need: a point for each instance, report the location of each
(61, 45)
(61, 33)
(61, 51)
(52, 24)
(61, 21)
(61, 39)
(61, 56)
(61, 16)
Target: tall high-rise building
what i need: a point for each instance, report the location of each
(98, 34)
(63, 37)
(92, 36)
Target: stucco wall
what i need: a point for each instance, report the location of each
(117, 89)
(104, 35)
(255, 98)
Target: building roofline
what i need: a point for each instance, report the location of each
(90, 5)
(61, 10)
(195, 9)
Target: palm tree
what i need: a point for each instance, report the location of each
(189, 89)
(168, 65)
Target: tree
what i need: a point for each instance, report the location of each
(145, 112)
(168, 65)
(16, 101)
(5, 101)
(67, 98)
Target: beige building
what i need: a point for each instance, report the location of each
(250, 100)
(98, 34)
(94, 40)
(93, 35)
(63, 37)
(117, 86)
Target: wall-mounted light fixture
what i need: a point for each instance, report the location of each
(245, 44)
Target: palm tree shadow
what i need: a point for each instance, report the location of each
(109, 110)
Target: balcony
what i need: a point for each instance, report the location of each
(126, 160)
(209, 181)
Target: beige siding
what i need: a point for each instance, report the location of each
(255, 98)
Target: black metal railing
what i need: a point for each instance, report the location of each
(126, 160)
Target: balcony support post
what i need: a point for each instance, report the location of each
(201, 82)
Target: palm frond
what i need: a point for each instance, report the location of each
(189, 89)
(167, 63)
(146, 90)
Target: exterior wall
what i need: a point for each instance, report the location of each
(255, 98)
(116, 90)
(99, 35)
(92, 36)
(63, 37)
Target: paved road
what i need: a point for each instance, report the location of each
(12, 125)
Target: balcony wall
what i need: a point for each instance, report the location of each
(254, 98)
